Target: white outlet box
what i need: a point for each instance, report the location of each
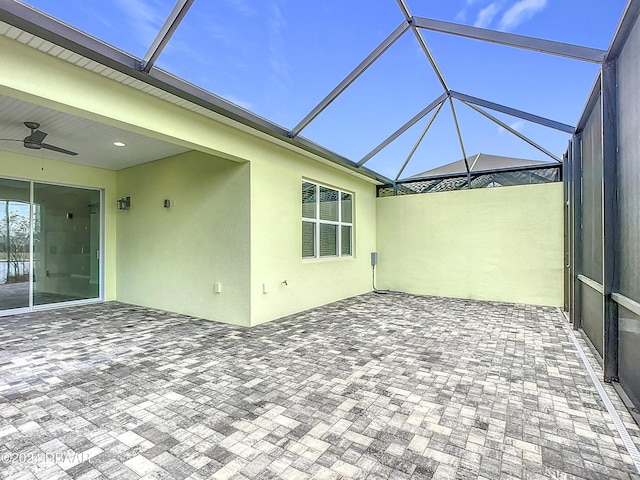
(217, 287)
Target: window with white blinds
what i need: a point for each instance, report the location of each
(327, 222)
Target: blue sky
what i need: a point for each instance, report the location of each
(279, 58)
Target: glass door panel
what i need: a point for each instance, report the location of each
(15, 232)
(66, 239)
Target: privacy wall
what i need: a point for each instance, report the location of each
(503, 244)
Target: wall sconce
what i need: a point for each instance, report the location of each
(124, 203)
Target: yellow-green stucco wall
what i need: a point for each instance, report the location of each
(503, 244)
(276, 237)
(171, 258)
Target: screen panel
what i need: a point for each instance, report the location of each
(592, 316)
(629, 354)
(592, 196)
(628, 233)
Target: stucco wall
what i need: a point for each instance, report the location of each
(171, 258)
(31, 168)
(503, 244)
(276, 237)
(271, 222)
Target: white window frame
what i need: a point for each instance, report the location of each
(339, 224)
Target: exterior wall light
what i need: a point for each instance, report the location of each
(124, 203)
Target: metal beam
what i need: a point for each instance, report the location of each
(464, 153)
(52, 30)
(610, 275)
(513, 131)
(423, 44)
(359, 70)
(566, 181)
(628, 20)
(596, 91)
(416, 118)
(419, 141)
(626, 303)
(592, 284)
(164, 35)
(545, 122)
(478, 173)
(312, 147)
(567, 50)
(576, 213)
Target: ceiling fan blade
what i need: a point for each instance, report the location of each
(58, 149)
(10, 140)
(36, 137)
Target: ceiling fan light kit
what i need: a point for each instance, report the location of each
(34, 140)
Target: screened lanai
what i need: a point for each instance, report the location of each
(275, 230)
(397, 90)
(393, 89)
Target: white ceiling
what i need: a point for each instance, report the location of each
(93, 141)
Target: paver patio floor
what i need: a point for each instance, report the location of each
(376, 387)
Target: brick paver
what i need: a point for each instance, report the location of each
(376, 387)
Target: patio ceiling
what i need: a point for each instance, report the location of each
(92, 141)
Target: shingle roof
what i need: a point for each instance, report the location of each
(479, 162)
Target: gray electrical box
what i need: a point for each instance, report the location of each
(374, 258)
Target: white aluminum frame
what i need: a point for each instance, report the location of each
(317, 221)
(101, 274)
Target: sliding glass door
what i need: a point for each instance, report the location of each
(15, 238)
(50, 246)
(66, 241)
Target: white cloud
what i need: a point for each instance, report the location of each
(468, 5)
(462, 16)
(486, 15)
(246, 104)
(221, 31)
(520, 12)
(280, 68)
(143, 18)
(518, 126)
(243, 6)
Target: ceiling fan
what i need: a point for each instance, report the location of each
(34, 140)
